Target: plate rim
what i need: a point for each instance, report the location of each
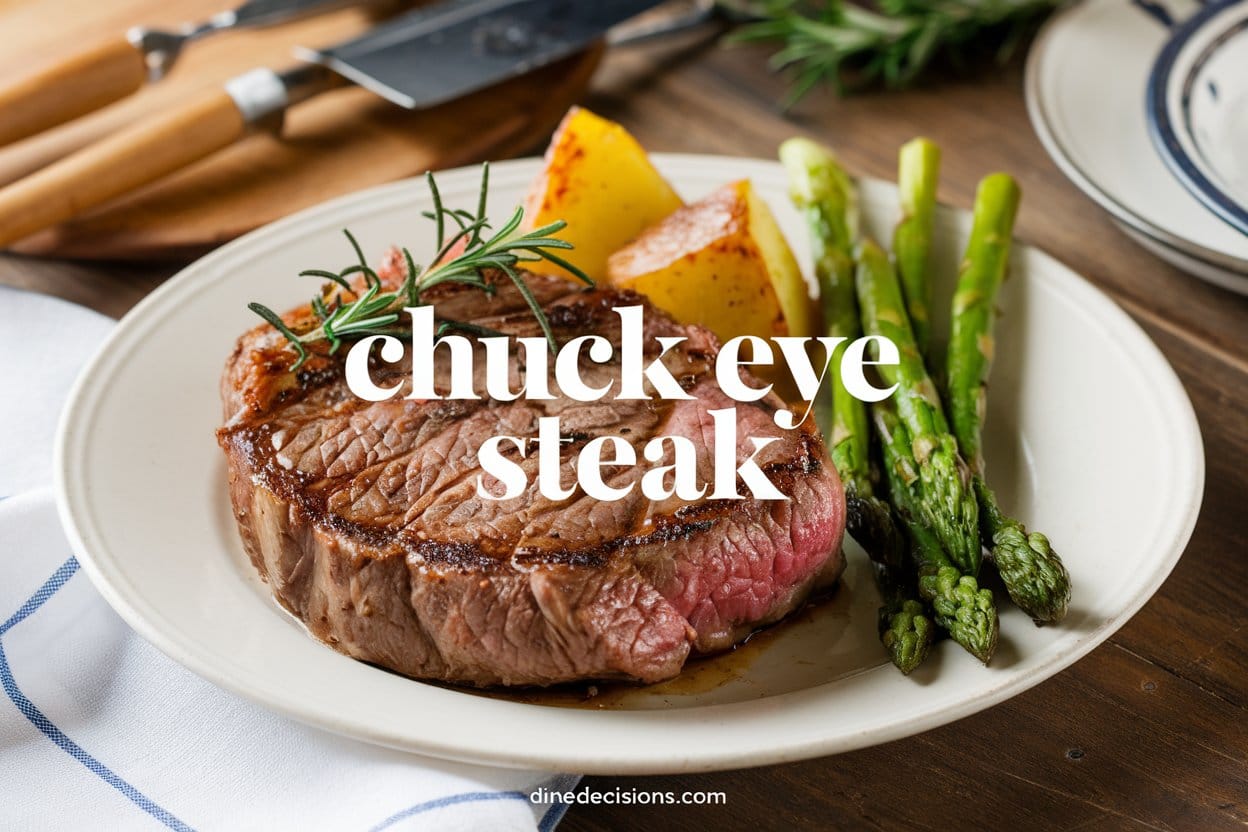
(1235, 268)
(75, 512)
(1161, 122)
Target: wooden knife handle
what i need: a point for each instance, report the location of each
(66, 90)
(119, 164)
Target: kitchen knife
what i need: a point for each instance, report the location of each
(407, 60)
(118, 67)
(466, 45)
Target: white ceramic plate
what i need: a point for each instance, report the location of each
(1091, 438)
(1086, 81)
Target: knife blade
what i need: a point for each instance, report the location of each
(115, 68)
(436, 54)
(491, 41)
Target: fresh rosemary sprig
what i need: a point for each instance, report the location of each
(889, 40)
(349, 314)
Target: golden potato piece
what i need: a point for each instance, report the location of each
(721, 262)
(598, 179)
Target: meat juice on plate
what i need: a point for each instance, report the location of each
(819, 643)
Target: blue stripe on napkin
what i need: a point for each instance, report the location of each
(43, 593)
(562, 783)
(40, 721)
(449, 800)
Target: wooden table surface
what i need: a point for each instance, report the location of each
(1148, 732)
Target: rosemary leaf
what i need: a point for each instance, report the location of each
(480, 215)
(538, 312)
(410, 290)
(564, 264)
(277, 323)
(438, 211)
(326, 275)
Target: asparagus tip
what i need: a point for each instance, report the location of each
(907, 636)
(965, 610)
(1032, 572)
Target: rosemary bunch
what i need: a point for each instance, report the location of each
(890, 40)
(343, 313)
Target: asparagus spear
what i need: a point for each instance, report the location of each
(918, 169)
(970, 339)
(825, 195)
(1032, 572)
(942, 497)
(966, 611)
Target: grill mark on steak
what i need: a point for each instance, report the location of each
(364, 519)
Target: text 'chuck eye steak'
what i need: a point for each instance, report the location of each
(364, 518)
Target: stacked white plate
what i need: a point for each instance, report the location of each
(1088, 78)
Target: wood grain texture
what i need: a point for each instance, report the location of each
(338, 142)
(120, 163)
(1150, 731)
(65, 89)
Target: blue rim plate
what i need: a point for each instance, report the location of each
(1086, 75)
(1201, 63)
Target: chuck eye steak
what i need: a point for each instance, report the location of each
(363, 517)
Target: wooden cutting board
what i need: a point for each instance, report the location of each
(342, 141)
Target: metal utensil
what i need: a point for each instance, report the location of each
(407, 60)
(466, 45)
(120, 66)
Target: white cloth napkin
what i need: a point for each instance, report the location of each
(100, 730)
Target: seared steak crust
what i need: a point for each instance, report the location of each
(364, 518)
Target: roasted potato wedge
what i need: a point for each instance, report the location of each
(721, 262)
(599, 180)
